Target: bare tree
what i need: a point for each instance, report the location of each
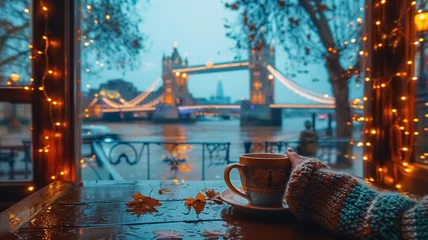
(309, 31)
(111, 36)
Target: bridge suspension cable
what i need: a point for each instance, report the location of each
(153, 102)
(308, 94)
(133, 102)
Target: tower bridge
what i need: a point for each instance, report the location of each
(176, 72)
(173, 101)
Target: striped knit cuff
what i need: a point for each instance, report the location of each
(414, 223)
(299, 179)
(385, 214)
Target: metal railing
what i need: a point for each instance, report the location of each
(18, 159)
(174, 154)
(151, 158)
(105, 159)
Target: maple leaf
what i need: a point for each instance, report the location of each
(198, 203)
(213, 196)
(142, 205)
(168, 234)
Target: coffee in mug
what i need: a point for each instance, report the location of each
(264, 177)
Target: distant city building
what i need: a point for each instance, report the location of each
(201, 101)
(219, 98)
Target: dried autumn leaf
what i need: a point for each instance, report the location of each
(168, 234)
(213, 196)
(164, 191)
(198, 203)
(142, 204)
(210, 193)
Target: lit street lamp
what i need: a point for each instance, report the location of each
(421, 24)
(14, 123)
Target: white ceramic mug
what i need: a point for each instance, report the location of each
(264, 177)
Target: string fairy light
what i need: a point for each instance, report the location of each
(48, 74)
(379, 85)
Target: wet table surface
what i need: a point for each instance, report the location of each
(97, 210)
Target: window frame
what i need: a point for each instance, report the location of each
(61, 21)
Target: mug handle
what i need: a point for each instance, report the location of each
(227, 170)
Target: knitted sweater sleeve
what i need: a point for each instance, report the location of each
(351, 209)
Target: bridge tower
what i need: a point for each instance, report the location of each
(176, 92)
(261, 81)
(257, 110)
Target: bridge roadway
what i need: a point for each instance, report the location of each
(210, 68)
(195, 107)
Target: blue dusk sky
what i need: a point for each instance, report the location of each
(197, 28)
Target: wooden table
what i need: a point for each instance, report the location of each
(96, 209)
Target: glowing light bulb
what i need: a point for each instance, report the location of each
(107, 17)
(45, 8)
(27, 10)
(378, 23)
(30, 188)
